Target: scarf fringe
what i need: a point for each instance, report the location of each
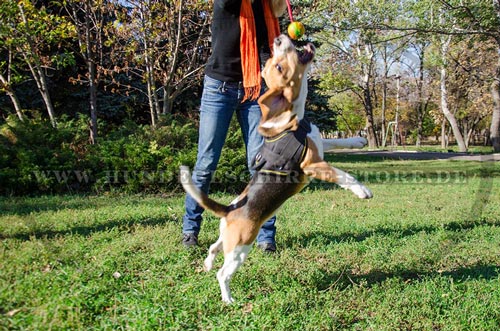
(248, 46)
(252, 93)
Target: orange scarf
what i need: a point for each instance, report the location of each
(248, 46)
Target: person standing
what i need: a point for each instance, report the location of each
(242, 35)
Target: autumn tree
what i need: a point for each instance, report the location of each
(470, 69)
(90, 19)
(359, 53)
(421, 95)
(164, 43)
(448, 19)
(8, 71)
(30, 36)
(351, 66)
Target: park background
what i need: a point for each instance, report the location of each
(99, 108)
(100, 89)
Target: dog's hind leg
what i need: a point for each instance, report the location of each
(216, 247)
(232, 261)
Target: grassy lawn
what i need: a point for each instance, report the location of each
(423, 254)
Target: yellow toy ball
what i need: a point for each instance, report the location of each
(296, 30)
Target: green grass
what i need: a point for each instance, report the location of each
(423, 254)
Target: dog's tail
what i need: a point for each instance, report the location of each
(218, 209)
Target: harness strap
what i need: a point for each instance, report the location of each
(283, 153)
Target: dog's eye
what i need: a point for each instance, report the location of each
(279, 68)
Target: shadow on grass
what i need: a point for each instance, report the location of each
(21, 206)
(395, 233)
(387, 155)
(85, 231)
(29, 205)
(348, 279)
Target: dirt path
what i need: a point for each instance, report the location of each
(414, 155)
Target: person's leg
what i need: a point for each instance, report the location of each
(249, 116)
(216, 110)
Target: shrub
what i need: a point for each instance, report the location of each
(136, 158)
(35, 158)
(35, 155)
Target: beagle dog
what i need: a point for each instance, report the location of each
(275, 180)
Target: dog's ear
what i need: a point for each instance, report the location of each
(277, 114)
(274, 102)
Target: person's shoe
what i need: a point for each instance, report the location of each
(190, 240)
(268, 248)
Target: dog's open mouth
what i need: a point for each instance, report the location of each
(307, 54)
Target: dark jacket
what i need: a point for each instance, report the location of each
(225, 61)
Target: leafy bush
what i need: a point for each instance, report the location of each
(137, 158)
(32, 152)
(35, 158)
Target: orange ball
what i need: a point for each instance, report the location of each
(296, 30)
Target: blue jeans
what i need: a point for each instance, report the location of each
(219, 102)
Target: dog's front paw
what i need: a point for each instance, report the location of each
(357, 142)
(361, 191)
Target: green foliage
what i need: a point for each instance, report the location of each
(318, 109)
(137, 158)
(31, 31)
(35, 158)
(350, 116)
(30, 149)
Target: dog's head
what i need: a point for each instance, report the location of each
(285, 76)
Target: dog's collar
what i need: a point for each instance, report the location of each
(304, 124)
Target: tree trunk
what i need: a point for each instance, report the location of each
(421, 104)
(367, 96)
(93, 102)
(420, 126)
(495, 93)
(151, 93)
(36, 69)
(444, 137)
(495, 119)
(149, 66)
(384, 106)
(167, 87)
(8, 88)
(43, 88)
(444, 100)
(166, 100)
(46, 98)
(90, 57)
(371, 136)
(13, 97)
(154, 102)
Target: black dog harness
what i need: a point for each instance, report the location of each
(282, 154)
